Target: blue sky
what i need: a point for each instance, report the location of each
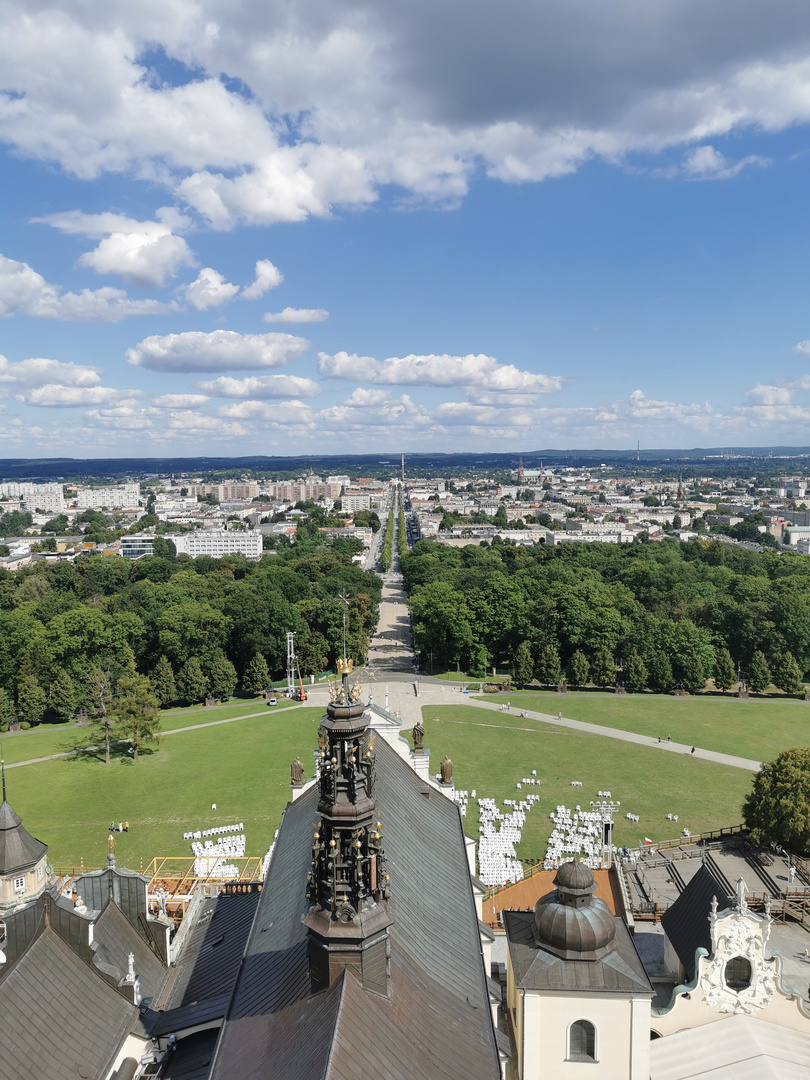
(311, 227)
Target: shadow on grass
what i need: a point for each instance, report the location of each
(89, 751)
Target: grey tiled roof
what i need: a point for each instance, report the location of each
(436, 1021)
(59, 1016)
(116, 938)
(18, 848)
(686, 922)
(618, 972)
(209, 961)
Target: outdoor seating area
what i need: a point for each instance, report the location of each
(577, 833)
(499, 834)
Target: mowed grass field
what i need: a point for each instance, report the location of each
(756, 728)
(493, 751)
(243, 767)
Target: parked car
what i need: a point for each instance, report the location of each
(272, 701)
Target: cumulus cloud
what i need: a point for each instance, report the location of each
(706, 163)
(23, 291)
(482, 372)
(296, 315)
(38, 371)
(267, 277)
(292, 414)
(128, 414)
(144, 253)
(345, 99)
(261, 387)
(179, 401)
(220, 350)
(209, 290)
(53, 395)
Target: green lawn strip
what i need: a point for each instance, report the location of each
(244, 768)
(61, 738)
(754, 728)
(492, 752)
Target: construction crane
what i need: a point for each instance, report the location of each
(295, 693)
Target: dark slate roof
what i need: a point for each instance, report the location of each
(686, 922)
(211, 954)
(18, 848)
(59, 1016)
(620, 971)
(128, 890)
(436, 1022)
(115, 938)
(192, 1059)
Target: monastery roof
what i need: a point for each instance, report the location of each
(619, 971)
(43, 1034)
(686, 922)
(738, 1047)
(436, 1022)
(18, 848)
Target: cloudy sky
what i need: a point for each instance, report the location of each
(341, 225)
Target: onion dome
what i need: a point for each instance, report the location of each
(571, 922)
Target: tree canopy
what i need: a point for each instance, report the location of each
(778, 808)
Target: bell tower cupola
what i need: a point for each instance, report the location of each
(349, 907)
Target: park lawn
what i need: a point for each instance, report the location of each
(756, 728)
(61, 738)
(244, 768)
(491, 752)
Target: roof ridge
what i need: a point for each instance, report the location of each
(336, 1025)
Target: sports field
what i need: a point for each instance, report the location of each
(754, 728)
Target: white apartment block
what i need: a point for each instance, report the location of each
(218, 542)
(229, 491)
(302, 490)
(47, 497)
(122, 496)
(353, 501)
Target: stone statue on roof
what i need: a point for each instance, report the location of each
(447, 771)
(418, 733)
(297, 771)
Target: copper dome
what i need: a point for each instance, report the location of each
(571, 922)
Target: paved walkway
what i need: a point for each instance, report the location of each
(123, 742)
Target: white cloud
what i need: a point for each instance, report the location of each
(261, 387)
(144, 253)
(345, 99)
(37, 371)
(481, 372)
(23, 291)
(290, 414)
(181, 424)
(771, 395)
(296, 315)
(267, 277)
(803, 347)
(706, 163)
(53, 395)
(179, 401)
(209, 290)
(220, 350)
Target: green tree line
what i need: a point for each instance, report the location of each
(663, 614)
(191, 627)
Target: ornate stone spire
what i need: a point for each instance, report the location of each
(347, 887)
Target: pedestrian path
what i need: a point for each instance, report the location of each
(623, 736)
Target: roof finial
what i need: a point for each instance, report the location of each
(3, 771)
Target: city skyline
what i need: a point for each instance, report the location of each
(299, 228)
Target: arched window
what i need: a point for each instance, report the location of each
(738, 974)
(582, 1041)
